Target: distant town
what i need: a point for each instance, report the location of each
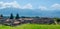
(17, 20)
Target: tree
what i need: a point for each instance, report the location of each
(11, 16)
(1, 15)
(56, 20)
(37, 17)
(17, 16)
(23, 17)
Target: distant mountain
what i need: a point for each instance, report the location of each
(30, 12)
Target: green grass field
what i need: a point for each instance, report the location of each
(31, 26)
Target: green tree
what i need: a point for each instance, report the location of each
(11, 16)
(56, 20)
(17, 16)
(1, 15)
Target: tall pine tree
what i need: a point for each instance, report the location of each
(11, 16)
(17, 16)
(1, 15)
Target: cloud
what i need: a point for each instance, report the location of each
(55, 6)
(1, 5)
(9, 4)
(42, 8)
(27, 6)
(14, 4)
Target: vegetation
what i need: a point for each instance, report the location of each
(57, 20)
(17, 16)
(1, 15)
(31, 26)
(11, 16)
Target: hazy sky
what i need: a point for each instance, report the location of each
(31, 4)
(31, 7)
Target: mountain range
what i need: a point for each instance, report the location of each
(30, 12)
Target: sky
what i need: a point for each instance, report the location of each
(31, 7)
(31, 4)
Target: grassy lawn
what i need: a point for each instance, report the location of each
(31, 26)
